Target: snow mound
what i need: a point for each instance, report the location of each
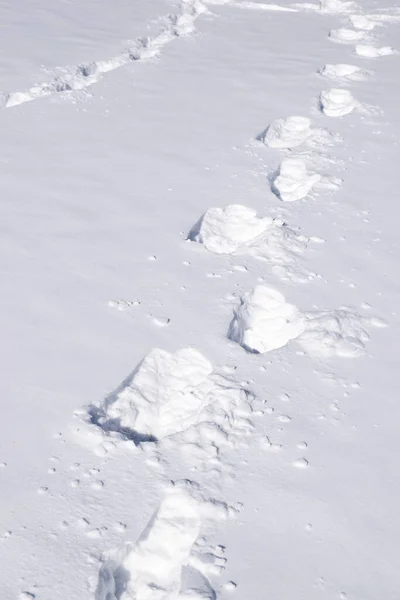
(293, 182)
(237, 229)
(153, 568)
(288, 133)
(337, 102)
(294, 131)
(180, 397)
(368, 51)
(226, 230)
(344, 72)
(346, 36)
(265, 321)
(362, 22)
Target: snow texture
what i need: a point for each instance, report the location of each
(264, 321)
(337, 102)
(293, 182)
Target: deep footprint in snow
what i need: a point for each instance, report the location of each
(368, 51)
(155, 567)
(344, 72)
(294, 131)
(337, 102)
(264, 321)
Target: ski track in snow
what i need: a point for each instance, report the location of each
(85, 75)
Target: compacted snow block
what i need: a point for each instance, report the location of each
(293, 182)
(368, 51)
(337, 102)
(153, 568)
(265, 321)
(176, 395)
(288, 133)
(225, 230)
(346, 36)
(344, 72)
(238, 230)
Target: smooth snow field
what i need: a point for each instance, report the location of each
(199, 310)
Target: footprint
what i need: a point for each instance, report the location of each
(337, 102)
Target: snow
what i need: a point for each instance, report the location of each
(238, 230)
(199, 347)
(337, 102)
(265, 321)
(293, 182)
(345, 72)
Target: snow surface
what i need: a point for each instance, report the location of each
(199, 397)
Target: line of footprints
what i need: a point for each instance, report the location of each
(178, 401)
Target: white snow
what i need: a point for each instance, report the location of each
(140, 206)
(288, 133)
(264, 321)
(346, 36)
(337, 102)
(345, 72)
(362, 22)
(238, 230)
(293, 182)
(368, 51)
(167, 394)
(151, 569)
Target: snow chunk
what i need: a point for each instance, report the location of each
(346, 36)
(226, 230)
(154, 567)
(238, 230)
(368, 51)
(337, 102)
(295, 131)
(293, 182)
(344, 72)
(288, 133)
(265, 321)
(177, 396)
(362, 22)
